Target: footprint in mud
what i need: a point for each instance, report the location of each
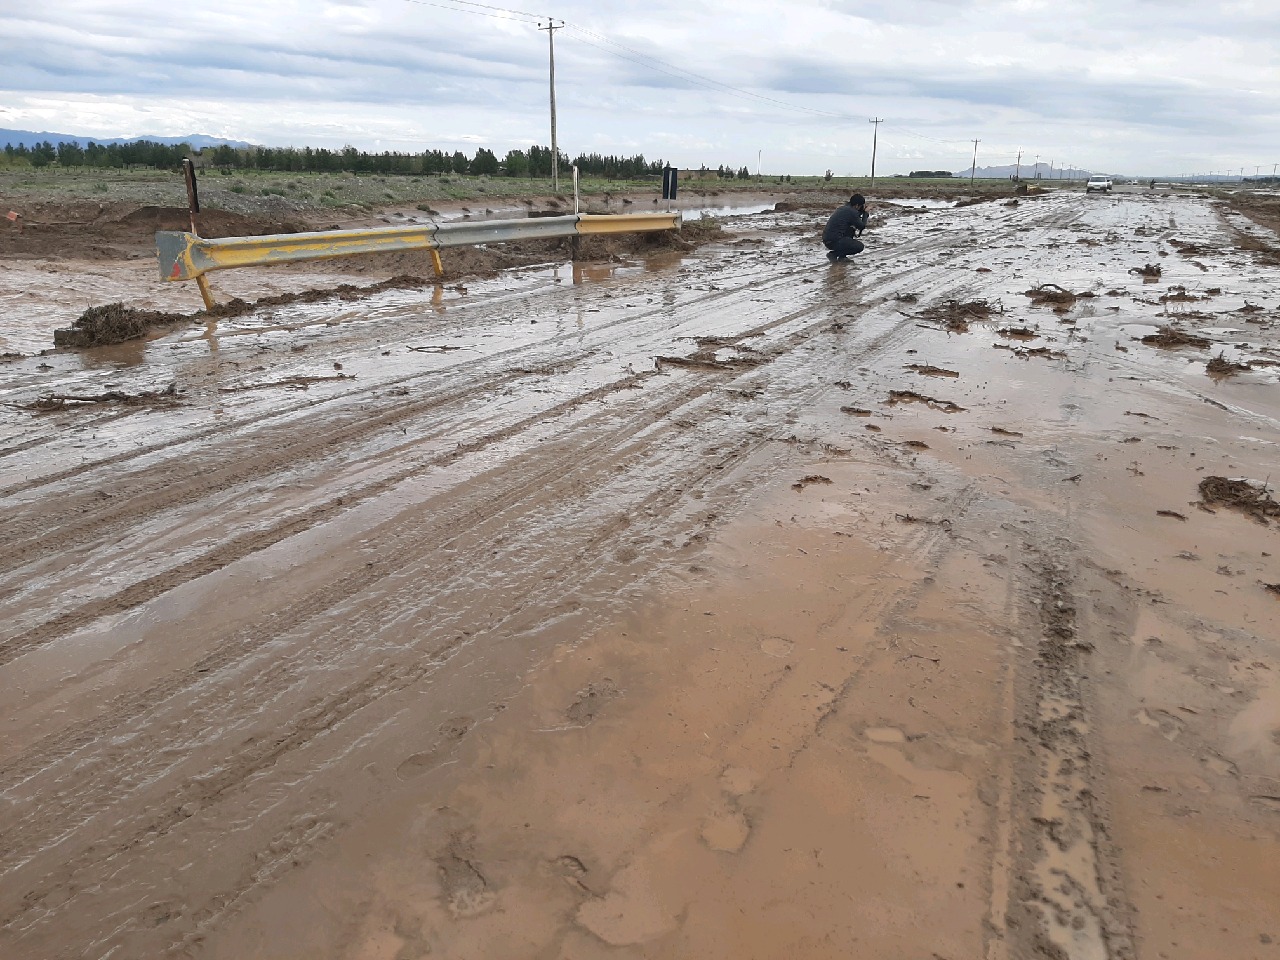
(737, 781)
(777, 646)
(590, 701)
(884, 735)
(726, 832)
(1170, 727)
(451, 731)
(466, 890)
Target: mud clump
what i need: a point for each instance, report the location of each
(910, 396)
(1052, 295)
(810, 479)
(929, 370)
(113, 323)
(1171, 337)
(1149, 272)
(956, 315)
(1240, 495)
(1017, 333)
(1220, 366)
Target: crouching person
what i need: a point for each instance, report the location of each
(845, 225)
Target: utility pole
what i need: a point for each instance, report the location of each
(875, 131)
(1036, 175)
(551, 29)
(1018, 172)
(974, 169)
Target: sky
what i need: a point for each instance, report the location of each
(1136, 87)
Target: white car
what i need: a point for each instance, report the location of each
(1098, 183)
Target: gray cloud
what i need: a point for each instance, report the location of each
(1158, 82)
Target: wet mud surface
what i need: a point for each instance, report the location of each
(692, 603)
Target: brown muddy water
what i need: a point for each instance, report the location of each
(722, 604)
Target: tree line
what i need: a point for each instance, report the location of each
(534, 162)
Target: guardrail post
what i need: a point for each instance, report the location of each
(435, 262)
(193, 208)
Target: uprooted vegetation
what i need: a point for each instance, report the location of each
(956, 315)
(1171, 337)
(1050, 294)
(1240, 495)
(1220, 366)
(1149, 272)
(168, 397)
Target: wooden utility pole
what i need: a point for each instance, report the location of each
(1017, 175)
(551, 28)
(974, 169)
(875, 131)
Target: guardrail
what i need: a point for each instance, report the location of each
(185, 256)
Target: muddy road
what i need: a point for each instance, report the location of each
(717, 604)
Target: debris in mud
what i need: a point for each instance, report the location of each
(928, 370)
(810, 479)
(1272, 588)
(1061, 299)
(10, 357)
(113, 323)
(914, 444)
(290, 383)
(908, 518)
(872, 427)
(703, 360)
(1220, 366)
(910, 396)
(1005, 433)
(956, 315)
(168, 397)
(1172, 337)
(1171, 513)
(906, 297)
(856, 411)
(1240, 495)
(435, 348)
(1188, 249)
(844, 384)
(1018, 333)
(1150, 272)
(1178, 294)
(1024, 353)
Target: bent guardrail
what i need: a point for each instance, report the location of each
(185, 256)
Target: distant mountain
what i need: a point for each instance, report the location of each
(29, 138)
(1027, 172)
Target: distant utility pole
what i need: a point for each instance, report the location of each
(974, 169)
(759, 155)
(551, 29)
(875, 131)
(1036, 175)
(1018, 172)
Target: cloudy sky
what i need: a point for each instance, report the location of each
(1167, 87)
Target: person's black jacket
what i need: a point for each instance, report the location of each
(844, 222)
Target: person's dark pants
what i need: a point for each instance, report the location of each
(844, 247)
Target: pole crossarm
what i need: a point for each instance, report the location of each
(185, 256)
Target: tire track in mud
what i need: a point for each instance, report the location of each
(44, 753)
(385, 679)
(169, 493)
(260, 752)
(1066, 898)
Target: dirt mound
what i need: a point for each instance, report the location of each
(1240, 495)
